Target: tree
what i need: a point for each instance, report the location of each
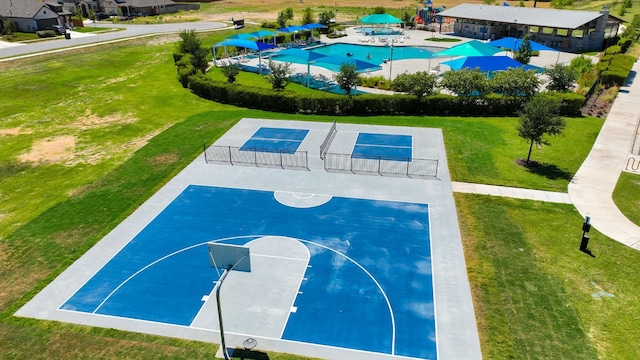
(230, 71)
(199, 59)
(281, 20)
(288, 13)
(325, 17)
(8, 27)
(524, 52)
(465, 82)
(279, 76)
(347, 77)
(419, 84)
(540, 117)
(191, 44)
(307, 16)
(515, 82)
(92, 16)
(561, 77)
(379, 10)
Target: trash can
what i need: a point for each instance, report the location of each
(67, 35)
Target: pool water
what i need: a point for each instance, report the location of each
(376, 54)
(369, 53)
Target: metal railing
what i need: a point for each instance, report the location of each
(424, 168)
(257, 157)
(327, 141)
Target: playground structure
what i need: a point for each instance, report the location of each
(428, 14)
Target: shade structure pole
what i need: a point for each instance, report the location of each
(390, 60)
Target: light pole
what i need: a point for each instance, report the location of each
(515, 41)
(390, 60)
(218, 287)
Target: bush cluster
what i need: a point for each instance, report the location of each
(184, 66)
(614, 69)
(370, 104)
(46, 33)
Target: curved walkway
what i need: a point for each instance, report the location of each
(591, 188)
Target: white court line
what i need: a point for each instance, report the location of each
(393, 321)
(156, 262)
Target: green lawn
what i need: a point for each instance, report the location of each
(534, 290)
(85, 141)
(627, 196)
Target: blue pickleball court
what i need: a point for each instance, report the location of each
(280, 140)
(383, 147)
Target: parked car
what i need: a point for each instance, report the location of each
(59, 29)
(102, 16)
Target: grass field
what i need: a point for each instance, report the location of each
(627, 196)
(87, 137)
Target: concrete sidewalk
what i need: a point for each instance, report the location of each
(591, 188)
(517, 193)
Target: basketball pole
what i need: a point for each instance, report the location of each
(218, 287)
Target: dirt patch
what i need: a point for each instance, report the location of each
(52, 150)
(13, 132)
(164, 159)
(90, 120)
(161, 40)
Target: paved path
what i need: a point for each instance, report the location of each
(9, 50)
(591, 188)
(518, 193)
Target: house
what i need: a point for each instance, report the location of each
(34, 15)
(567, 30)
(83, 6)
(143, 7)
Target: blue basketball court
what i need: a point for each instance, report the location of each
(368, 285)
(343, 265)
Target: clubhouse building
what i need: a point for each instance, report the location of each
(565, 30)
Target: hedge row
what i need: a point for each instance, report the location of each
(614, 69)
(371, 104)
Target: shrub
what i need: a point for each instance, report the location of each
(613, 50)
(625, 44)
(581, 65)
(371, 104)
(46, 33)
(418, 84)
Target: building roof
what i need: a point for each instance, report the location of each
(20, 9)
(144, 3)
(554, 18)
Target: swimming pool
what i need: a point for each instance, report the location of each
(369, 53)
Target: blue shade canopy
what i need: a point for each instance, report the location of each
(241, 36)
(262, 33)
(514, 44)
(471, 48)
(305, 55)
(504, 3)
(247, 44)
(483, 63)
(339, 60)
(293, 28)
(314, 26)
(380, 19)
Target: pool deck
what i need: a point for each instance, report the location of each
(415, 38)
